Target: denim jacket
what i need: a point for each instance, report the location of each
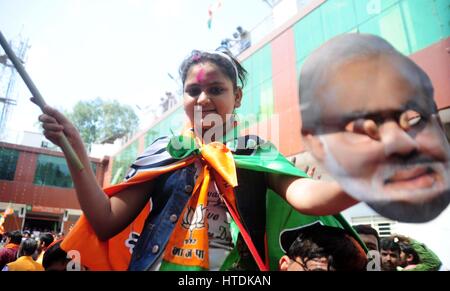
(169, 197)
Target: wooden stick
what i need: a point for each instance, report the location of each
(65, 145)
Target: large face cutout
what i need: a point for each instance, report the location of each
(382, 142)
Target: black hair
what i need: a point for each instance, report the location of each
(224, 65)
(305, 248)
(15, 237)
(28, 247)
(53, 255)
(409, 250)
(389, 244)
(47, 238)
(341, 250)
(367, 230)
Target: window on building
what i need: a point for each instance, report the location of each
(52, 171)
(8, 163)
(385, 227)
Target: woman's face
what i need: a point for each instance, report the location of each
(210, 98)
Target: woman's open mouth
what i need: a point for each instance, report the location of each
(206, 112)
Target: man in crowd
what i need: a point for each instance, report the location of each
(9, 252)
(45, 239)
(390, 254)
(320, 248)
(25, 260)
(369, 236)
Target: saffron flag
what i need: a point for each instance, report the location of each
(8, 211)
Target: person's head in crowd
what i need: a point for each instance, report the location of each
(14, 237)
(369, 117)
(28, 247)
(390, 254)
(408, 256)
(55, 258)
(320, 248)
(369, 236)
(45, 239)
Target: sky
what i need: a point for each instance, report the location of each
(113, 49)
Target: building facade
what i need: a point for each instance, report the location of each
(270, 106)
(36, 183)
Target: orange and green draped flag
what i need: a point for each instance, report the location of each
(188, 247)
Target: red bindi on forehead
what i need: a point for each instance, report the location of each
(201, 75)
(204, 73)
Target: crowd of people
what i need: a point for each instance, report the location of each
(22, 251)
(398, 252)
(240, 42)
(322, 248)
(315, 247)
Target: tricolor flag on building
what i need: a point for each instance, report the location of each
(212, 10)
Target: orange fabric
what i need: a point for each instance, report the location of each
(8, 211)
(40, 257)
(189, 248)
(221, 160)
(94, 253)
(11, 246)
(114, 255)
(24, 263)
(188, 245)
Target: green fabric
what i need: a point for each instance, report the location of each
(233, 258)
(268, 159)
(280, 215)
(166, 266)
(181, 147)
(231, 261)
(429, 261)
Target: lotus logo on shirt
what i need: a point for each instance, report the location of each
(194, 220)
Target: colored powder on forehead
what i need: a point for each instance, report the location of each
(201, 75)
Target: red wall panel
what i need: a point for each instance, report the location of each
(435, 60)
(285, 93)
